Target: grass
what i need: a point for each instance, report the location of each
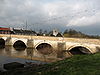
(77, 65)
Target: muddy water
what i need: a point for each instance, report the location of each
(8, 51)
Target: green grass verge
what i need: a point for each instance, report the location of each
(77, 65)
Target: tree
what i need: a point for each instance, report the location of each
(66, 31)
(40, 32)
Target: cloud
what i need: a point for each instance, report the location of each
(49, 13)
(85, 20)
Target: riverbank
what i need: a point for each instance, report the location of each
(7, 59)
(77, 65)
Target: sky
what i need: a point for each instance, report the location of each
(82, 15)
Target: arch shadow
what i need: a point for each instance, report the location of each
(2, 43)
(19, 45)
(44, 48)
(79, 50)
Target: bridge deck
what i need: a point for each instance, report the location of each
(77, 40)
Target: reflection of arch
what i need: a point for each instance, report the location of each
(79, 49)
(2, 43)
(19, 45)
(45, 48)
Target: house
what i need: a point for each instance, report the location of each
(55, 33)
(23, 31)
(5, 30)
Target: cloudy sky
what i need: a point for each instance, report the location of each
(83, 15)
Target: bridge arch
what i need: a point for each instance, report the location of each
(79, 49)
(44, 48)
(19, 44)
(2, 43)
(14, 40)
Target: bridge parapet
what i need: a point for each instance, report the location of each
(79, 40)
(83, 40)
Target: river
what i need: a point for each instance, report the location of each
(7, 51)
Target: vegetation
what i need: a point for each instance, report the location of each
(77, 65)
(78, 34)
(68, 33)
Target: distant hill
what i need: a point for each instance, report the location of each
(78, 34)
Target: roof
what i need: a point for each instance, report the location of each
(4, 28)
(24, 31)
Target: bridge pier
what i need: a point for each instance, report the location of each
(30, 43)
(8, 41)
(61, 48)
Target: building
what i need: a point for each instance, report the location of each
(55, 33)
(23, 31)
(5, 30)
(16, 31)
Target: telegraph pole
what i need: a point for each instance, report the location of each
(26, 24)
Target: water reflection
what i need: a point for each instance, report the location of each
(29, 52)
(7, 50)
(11, 51)
(2, 50)
(19, 52)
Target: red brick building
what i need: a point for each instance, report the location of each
(5, 31)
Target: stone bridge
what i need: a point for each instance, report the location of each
(50, 48)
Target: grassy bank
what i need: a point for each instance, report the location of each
(77, 65)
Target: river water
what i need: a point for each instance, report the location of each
(8, 51)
